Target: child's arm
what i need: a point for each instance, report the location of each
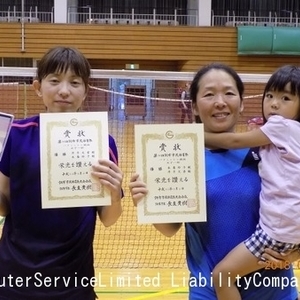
(231, 140)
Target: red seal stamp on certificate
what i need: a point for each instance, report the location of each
(191, 203)
(95, 187)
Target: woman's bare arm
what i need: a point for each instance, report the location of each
(138, 190)
(4, 195)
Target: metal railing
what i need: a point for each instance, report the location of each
(31, 16)
(175, 19)
(132, 18)
(252, 20)
(73, 16)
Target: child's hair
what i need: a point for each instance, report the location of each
(60, 60)
(194, 88)
(280, 78)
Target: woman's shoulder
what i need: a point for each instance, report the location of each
(27, 122)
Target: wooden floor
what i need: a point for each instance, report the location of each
(135, 284)
(145, 284)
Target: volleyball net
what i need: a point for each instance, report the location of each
(129, 97)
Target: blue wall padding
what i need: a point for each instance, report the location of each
(260, 40)
(255, 40)
(286, 41)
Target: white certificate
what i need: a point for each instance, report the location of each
(5, 126)
(69, 144)
(170, 160)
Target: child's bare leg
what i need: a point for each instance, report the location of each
(238, 262)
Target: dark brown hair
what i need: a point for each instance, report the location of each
(214, 66)
(60, 60)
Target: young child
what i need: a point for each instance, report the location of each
(48, 253)
(279, 168)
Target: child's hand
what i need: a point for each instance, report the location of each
(279, 260)
(137, 188)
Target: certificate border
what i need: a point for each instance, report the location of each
(145, 133)
(50, 125)
(48, 121)
(178, 136)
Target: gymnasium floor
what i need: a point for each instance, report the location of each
(158, 284)
(135, 284)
